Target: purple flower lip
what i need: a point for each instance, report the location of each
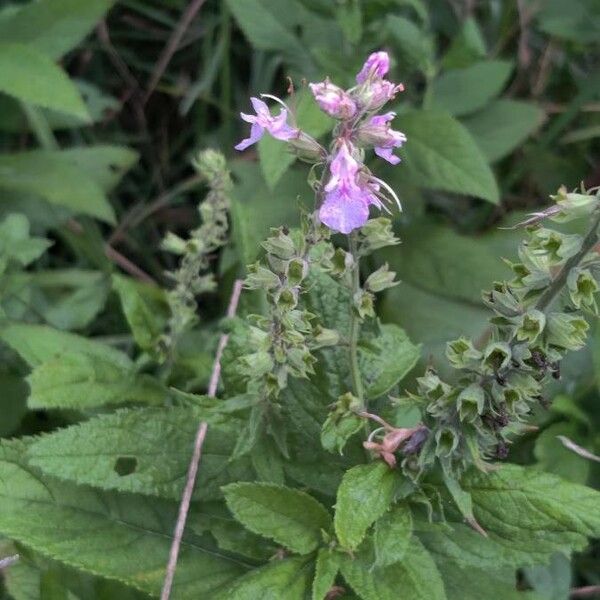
(276, 126)
(378, 133)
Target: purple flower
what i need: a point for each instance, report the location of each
(264, 121)
(333, 100)
(375, 67)
(375, 94)
(378, 133)
(348, 197)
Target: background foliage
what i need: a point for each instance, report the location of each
(501, 106)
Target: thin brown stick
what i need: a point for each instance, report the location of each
(127, 265)
(197, 454)
(171, 46)
(589, 591)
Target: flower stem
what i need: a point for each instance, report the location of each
(355, 321)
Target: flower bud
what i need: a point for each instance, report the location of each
(462, 354)
(296, 271)
(567, 331)
(531, 326)
(497, 356)
(363, 303)
(325, 337)
(373, 95)
(381, 279)
(375, 67)
(470, 402)
(287, 299)
(582, 287)
(333, 100)
(281, 245)
(574, 206)
(260, 278)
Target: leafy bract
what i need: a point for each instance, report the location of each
(290, 517)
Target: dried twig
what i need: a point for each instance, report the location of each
(127, 265)
(172, 44)
(8, 561)
(195, 461)
(590, 591)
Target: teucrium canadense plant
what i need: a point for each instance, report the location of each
(312, 484)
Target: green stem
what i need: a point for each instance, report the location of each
(355, 322)
(558, 283)
(39, 126)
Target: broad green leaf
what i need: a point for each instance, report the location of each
(503, 126)
(288, 578)
(266, 30)
(53, 176)
(326, 570)
(467, 47)
(552, 456)
(32, 77)
(104, 164)
(467, 584)
(415, 577)
(463, 91)
(528, 515)
(37, 344)
(81, 381)
(290, 517)
(118, 536)
(415, 47)
(440, 154)
(275, 159)
(52, 26)
(16, 243)
(144, 450)
(65, 298)
(364, 495)
(392, 535)
(13, 405)
(552, 581)
(386, 359)
(144, 309)
(577, 21)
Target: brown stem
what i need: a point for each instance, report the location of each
(589, 591)
(197, 454)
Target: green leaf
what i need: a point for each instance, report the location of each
(37, 344)
(463, 91)
(552, 581)
(415, 577)
(123, 537)
(275, 159)
(81, 381)
(45, 173)
(552, 456)
(52, 26)
(288, 578)
(326, 570)
(16, 243)
(467, 47)
(30, 76)
(503, 126)
(386, 359)
(392, 535)
(414, 46)
(143, 450)
(13, 395)
(267, 30)
(440, 154)
(290, 517)
(364, 495)
(144, 309)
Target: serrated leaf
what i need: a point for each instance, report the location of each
(463, 91)
(44, 173)
(326, 570)
(364, 495)
(440, 154)
(288, 578)
(503, 126)
(52, 26)
(290, 517)
(392, 535)
(30, 76)
(144, 308)
(80, 381)
(37, 344)
(275, 159)
(386, 359)
(118, 536)
(416, 577)
(143, 450)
